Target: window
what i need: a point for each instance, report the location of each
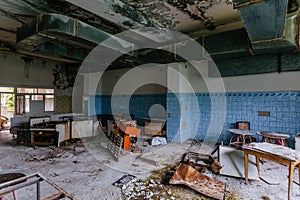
(27, 90)
(37, 97)
(46, 91)
(6, 89)
(27, 96)
(27, 103)
(49, 102)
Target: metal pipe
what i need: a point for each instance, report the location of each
(12, 182)
(298, 32)
(38, 191)
(19, 186)
(19, 183)
(56, 187)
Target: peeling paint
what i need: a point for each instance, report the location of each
(197, 10)
(158, 12)
(164, 13)
(132, 14)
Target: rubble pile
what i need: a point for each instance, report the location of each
(157, 188)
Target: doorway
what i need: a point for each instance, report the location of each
(7, 108)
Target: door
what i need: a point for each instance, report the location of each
(20, 104)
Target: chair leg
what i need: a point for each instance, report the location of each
(15, 195)
(237, 141)
(231, 138)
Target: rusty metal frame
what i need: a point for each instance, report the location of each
(249, 3)
(269, 40)
(12, 186)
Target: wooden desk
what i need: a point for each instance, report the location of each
(44, 136)
(274, 152)
(241, 136)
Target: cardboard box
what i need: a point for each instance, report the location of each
(153, 128)
(127, 128)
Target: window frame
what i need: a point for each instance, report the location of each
(35, 91)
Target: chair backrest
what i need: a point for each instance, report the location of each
(243, 125)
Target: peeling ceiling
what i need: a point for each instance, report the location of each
(192, 17)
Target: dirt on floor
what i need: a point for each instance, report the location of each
(87, 170)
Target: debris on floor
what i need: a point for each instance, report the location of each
(158, 156)
(74, 165)
(189, 176)
(126, 179)
(156, 187)
(158, 141)
(202, 160)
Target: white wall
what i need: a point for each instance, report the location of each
(284, 81)
(145, 79)
(181, 77)
(200, 81)
(12, 72)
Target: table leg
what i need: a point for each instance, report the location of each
(244, 140)
(246, 167)
(257, 165)
(237, 141)
(291, 178)
(299, 174)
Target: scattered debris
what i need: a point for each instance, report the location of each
(189, 176)
(61, 152)
(158, 141)
(266, 198)
(135, 149)
(124, 180)
(157, 187)
(158, 156)
(203, 160)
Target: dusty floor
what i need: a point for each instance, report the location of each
(87, 171)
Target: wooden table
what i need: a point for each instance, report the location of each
(274, 152)
(241, 136)
(273, 137)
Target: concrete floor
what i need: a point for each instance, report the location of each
(87, 170)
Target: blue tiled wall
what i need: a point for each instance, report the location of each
(298, 112)
(284, 107)
(284, 110)
(139, 104)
